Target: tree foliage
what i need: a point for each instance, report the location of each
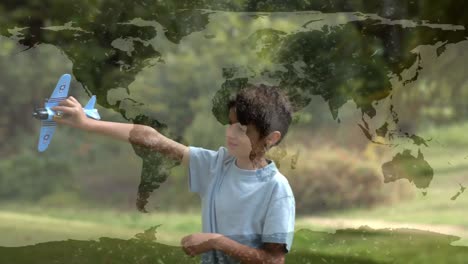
(162, 63)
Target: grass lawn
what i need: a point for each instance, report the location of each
(32, 234)
(29, 224)
(434, 208)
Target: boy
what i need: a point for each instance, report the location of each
(248, 207)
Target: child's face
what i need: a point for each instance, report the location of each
(239, 138)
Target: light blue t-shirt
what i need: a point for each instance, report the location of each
(251, 207)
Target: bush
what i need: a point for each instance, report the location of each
(62, 199)
(27, 177)
(330, 178)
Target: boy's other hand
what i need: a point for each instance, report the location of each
(198, 243)
(72, 113)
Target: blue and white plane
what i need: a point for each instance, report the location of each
(46, 114)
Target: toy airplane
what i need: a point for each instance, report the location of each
(46, 114)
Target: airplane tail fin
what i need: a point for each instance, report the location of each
(91, 103)
(89, 109)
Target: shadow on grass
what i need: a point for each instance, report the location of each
(363, 245)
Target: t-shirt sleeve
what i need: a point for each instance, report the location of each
(279, 222)
(202, 167)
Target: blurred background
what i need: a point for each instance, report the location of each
(375, 156)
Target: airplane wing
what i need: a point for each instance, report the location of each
(47, 131)
(60, 92)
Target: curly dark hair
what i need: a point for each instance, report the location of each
(265, 107)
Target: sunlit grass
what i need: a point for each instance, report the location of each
(33, 224)
(438, 206)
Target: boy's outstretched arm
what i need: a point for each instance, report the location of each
(141, 135)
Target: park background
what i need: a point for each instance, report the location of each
(172, 64)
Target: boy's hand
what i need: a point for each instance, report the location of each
(198, 243)
(72, 113)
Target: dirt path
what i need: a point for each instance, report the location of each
(341, 223)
